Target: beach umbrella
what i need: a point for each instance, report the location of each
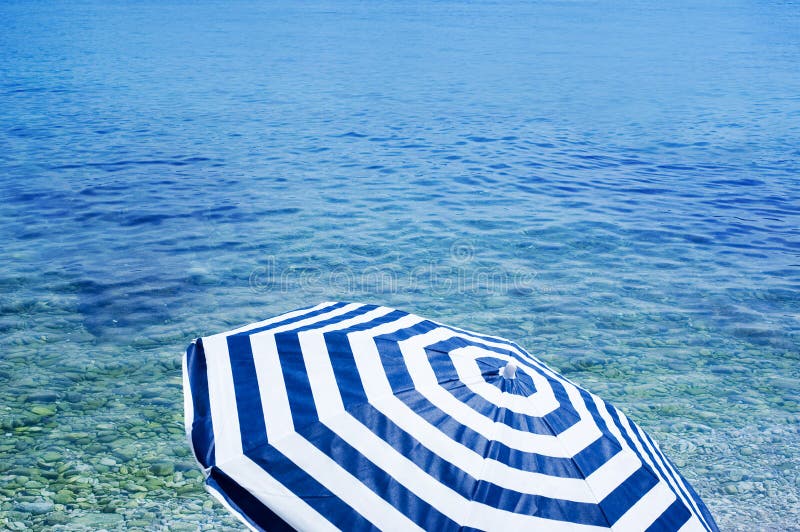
(354, 417)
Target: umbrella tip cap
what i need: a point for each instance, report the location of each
(509, 371)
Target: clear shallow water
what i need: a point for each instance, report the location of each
(615, 187)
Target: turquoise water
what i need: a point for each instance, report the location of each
(613, 186)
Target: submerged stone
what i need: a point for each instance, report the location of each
(64, 497)
(42, 397)
(56, 518)
(162, 468)
(99, 520)
(36, 507)
(43, 410)
(51, 456)
(73, 397)
(153, 483)
(126, 453)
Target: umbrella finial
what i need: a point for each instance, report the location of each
(509, 371)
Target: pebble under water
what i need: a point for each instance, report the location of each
(613, 186)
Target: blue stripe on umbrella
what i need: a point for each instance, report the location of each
(632, 489)
(202, 432)
(672, 519)
(313, 492)
(242, 501)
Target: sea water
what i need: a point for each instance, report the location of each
(613, 185)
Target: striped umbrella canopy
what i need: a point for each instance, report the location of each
(353, 417)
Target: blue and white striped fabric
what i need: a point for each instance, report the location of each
(354, 417)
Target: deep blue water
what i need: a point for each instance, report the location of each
(615, 186)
